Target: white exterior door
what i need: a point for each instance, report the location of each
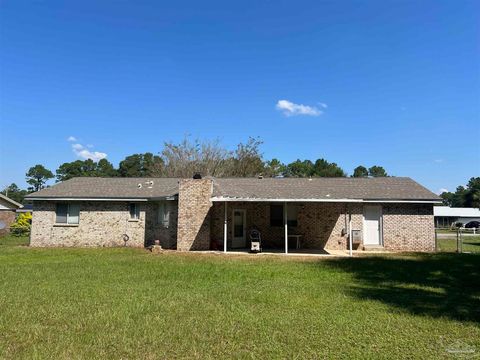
(372, 222)
(239, 239)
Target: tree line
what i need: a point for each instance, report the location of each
(468, 196)
(183, 159)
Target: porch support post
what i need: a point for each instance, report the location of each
(285, 222)
(350, 233)
(225, 230)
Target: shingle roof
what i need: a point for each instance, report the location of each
(385, 188)
(110, 188)
(10, 201)
(388, 188)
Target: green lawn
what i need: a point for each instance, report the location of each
(469, 244)
(10, 240)
(127, 303)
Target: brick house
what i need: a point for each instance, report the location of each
(291, 214)
(8, 208)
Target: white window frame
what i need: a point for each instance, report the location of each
(69, 219)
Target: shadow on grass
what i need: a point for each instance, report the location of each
(472, 243)
(438, 285)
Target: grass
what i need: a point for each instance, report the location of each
(128, 303)
(10, 240)
(470, 244)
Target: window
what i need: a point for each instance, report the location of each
(163, 214)
(292, 214)
(276, 215)
(67, 214)
(134, 211)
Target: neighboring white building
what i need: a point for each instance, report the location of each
(446, 216)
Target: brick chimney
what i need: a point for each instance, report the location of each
(193, 229)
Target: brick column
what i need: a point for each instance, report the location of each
(193, 229)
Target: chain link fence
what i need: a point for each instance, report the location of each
(460, 240)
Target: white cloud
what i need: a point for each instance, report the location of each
(72, 138)
(82, 152)
(323, 105)
(442, 190)
(289, 108)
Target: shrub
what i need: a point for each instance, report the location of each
(22, 225)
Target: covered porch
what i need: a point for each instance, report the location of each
(288, 227)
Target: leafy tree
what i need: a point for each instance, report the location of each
(377, 171)
(464, 197)
(322, 168)
(105, 169)
(76, 168)
(472, 196)
(360, 171)
(184, 159)
(209, 158)
(140, 165)
(81, 168)
(300, 168)
(274, 168)
(37, 176)
(15, 193)
(456, 199)
(248, 159)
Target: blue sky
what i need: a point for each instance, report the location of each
(393, 83)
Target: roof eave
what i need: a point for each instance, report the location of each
(66, 198)
(343, 200)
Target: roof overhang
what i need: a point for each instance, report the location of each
(43, 198)
(229, 199)
(84, 199)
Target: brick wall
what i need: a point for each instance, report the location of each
(101, 224)
(193, 230)
(7, 217)
(406, 227)
(320, 224)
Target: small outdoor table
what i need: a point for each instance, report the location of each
(297, 238)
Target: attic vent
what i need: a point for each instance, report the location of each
(139, 186)
(149, 184)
